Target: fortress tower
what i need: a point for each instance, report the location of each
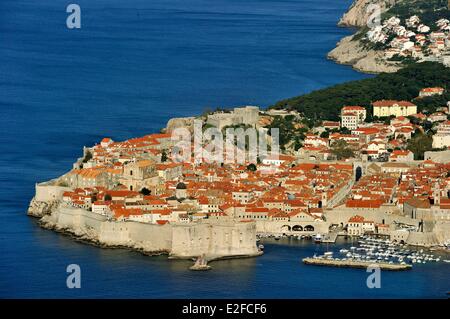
(249, 115)
(437, 194)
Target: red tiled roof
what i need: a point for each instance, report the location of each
(356, 219)
(353, 108)
(370, 203)
(392, 102)
(432, 90)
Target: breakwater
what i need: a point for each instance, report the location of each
(354, 264)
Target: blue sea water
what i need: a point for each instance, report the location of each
(133, 65)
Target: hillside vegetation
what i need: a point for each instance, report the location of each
(429, 11)
(405, 84)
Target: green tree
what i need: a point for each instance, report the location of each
(419, 144)
(325, 134)
(341, 150)
(145, 191)
(87, 156)
(404, 84)
(430, 104)
(251, 167)
(344, 130)
(164, 156)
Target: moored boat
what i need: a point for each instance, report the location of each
(200, 264)
(318, 238)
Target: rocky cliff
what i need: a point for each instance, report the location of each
(350, 50)
(358, 14)
(182, 122)
(41, 208)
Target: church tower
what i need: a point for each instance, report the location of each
(437, 193)
(324, 199)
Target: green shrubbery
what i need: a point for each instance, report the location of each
(429, 11)
(405, 84)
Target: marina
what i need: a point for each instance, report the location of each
(375, 251)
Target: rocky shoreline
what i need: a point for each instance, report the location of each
(90, 238)
(86, 239)
(40, 209)
(351, 51)
(151, 240)
(43, 212)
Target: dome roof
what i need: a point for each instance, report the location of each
(181, 185)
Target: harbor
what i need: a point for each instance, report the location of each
(374, 251)
(337, 249)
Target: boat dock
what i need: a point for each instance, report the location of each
(354, 264)
(330, 238)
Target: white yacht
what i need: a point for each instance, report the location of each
(318, 238)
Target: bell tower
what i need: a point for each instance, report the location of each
(437, 192)
(324, 199)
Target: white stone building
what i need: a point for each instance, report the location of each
(248, 115)
(352, 116)
(386, 108)
(442, 137)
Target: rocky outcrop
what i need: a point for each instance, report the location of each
(358, 15)
(96, 230)
(42, 208)
(82, 234)
(212, 239)
(174, 123)
(352, 52)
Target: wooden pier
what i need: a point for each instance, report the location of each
(355, 264)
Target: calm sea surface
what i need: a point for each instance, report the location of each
(132, 66)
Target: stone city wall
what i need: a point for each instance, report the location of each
(280, 227)
(214, 239)
(48, 191)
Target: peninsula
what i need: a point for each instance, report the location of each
(382, 169)
(394, 33)
(365, 157)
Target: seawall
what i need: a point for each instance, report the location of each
(210, 238)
